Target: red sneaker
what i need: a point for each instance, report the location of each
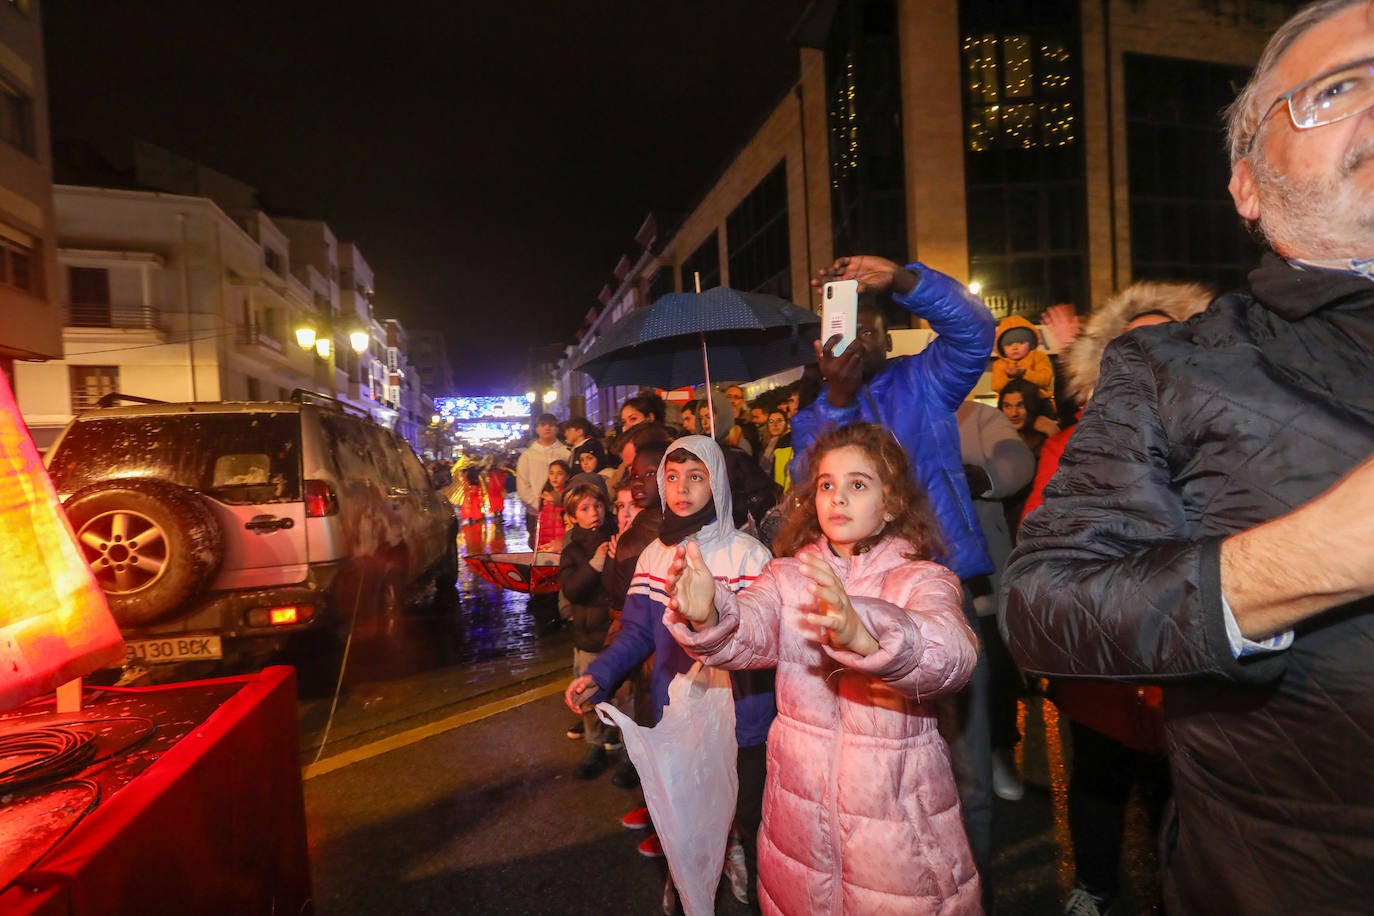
(637, 819)
(651, 847)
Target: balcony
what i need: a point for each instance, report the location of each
(112, 315)
(1024, 302)
(255, 335)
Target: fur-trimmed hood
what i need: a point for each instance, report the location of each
(1083, 359)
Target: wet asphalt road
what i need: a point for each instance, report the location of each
(442, 782)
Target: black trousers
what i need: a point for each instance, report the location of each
(752, 765)
(1104, 772)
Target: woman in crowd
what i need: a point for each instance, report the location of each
(642, 408)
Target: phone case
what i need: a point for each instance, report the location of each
(839, 313)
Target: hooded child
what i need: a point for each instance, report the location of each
(694, 488)
(1019, 356)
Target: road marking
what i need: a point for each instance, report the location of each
(406, 738)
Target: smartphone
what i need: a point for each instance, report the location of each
(839, 313)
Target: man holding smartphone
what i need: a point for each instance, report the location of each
(916, 398)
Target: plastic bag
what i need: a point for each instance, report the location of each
(686, 767)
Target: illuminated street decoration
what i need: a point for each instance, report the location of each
(485, 420)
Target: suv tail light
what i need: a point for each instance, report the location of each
(320, 499)
(280, 616)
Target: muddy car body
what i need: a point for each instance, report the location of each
(225, 528)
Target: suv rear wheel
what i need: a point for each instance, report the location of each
(151, 545)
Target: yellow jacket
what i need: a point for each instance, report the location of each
(1039, 371)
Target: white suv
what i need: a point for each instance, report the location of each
(220, 529)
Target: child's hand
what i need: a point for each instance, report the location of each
(598, 560)
(579, 694)
(690, 586)
(610, 545)
(1015, 372)
(1062, 325)
(840, 626)
(551, 547)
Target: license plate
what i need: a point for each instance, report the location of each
(173, 649)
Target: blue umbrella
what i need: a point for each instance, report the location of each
(685, 338)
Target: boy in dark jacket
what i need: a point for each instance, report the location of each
(579, 576)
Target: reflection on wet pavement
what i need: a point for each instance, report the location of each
(434, 655)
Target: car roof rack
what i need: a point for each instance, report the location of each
(306, 396)
(116, 397)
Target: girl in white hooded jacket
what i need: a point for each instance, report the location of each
(860, 811)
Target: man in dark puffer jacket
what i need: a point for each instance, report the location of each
(1211, 523)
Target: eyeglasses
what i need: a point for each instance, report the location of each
(1328, 97)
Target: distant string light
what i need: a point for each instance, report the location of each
(1015, 96)
(844, 123)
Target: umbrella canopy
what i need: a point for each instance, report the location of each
(519, 572)
(746, 336)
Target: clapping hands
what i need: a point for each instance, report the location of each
(691, 587)
(834, 613)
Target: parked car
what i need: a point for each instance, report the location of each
(222, 529)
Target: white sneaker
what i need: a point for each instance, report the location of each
(736, 871)
(1006, 782)
(1084, 903)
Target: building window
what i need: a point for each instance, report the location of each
(1025, 195)
(90, 383)
(704, 261)
(254, 388)
(660, 283)
(757, 236)
(274, 261)
(1183, 222)
(17, 263)
(90, 296)
(864, 121)
(16, 118)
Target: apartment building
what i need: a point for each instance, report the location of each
(1048, 151)
(167, 296)
(29, 312)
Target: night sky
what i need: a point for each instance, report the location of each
(492, 160)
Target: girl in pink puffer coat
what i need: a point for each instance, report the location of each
(860, 810)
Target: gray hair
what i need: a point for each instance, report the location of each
(1243, 116)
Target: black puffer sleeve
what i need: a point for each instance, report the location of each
(1111, 576)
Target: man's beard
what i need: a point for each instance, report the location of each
(1319, 217)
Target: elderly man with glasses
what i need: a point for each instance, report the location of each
(1211, 527)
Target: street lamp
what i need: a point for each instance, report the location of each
(549, 397)
(308, 338)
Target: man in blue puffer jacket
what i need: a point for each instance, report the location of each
(916, 397)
